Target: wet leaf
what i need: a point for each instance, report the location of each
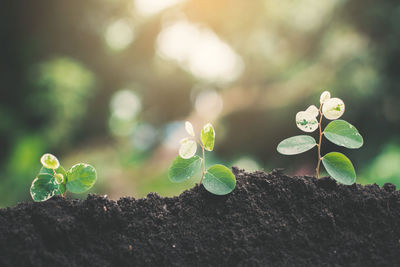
(296, 145)
(339, 168)
(208, 137)
(333, 108)
(342, 133)
(184, 169)
(81, 177)
(44, 186)
(219, 180)
(188, 148)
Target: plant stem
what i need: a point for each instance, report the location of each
(65, 190)
(204, 159)
(320, 141)
(204, 165)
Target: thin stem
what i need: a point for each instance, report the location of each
(320, 141)
(204, 159)
(65, 190)
(204, 165)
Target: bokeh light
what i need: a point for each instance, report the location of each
(199, 50)
(119, 35)
(111, 83)
(152, 7)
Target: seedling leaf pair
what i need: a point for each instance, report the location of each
(54, 180)
(217, 179)
(338, 132)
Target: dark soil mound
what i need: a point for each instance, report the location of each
(270, 219)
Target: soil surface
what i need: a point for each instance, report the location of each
(269, 220)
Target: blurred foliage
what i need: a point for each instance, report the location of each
(111, 82)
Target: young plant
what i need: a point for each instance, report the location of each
(217, 179)
(54, 180)
(339, 132)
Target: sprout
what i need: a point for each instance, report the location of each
(217, 179)
(54, 180)
(49, 161)
(338, 132)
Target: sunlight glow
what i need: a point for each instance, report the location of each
(124, 107)
(209, 104)
(200, 51)
(125, 104)
(152, 7)
(119, 35)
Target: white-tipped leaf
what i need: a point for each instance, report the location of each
(296, 145)
(188, 148)
(313, 111)
(324, 97)
(333, 108)
(189, 128)
(49, 161)
(306, 122)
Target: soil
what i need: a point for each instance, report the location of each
(269, 220)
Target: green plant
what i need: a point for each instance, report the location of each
(54, 180)
(338, 132)
(217, 179)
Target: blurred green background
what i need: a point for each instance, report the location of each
(110, 83)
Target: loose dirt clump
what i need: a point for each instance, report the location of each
(269, 219)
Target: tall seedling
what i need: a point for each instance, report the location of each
(217, 179)
(339, 132)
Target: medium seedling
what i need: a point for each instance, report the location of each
(217, 179)
(54, 180)
(339, 132)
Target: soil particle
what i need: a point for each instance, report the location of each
(268, 220)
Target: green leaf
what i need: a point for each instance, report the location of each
(296, 145)
(44, 186)
(339, 167)
(219, 180)
(81, 177)
(342, 133)
(208, 137)
(184, 169)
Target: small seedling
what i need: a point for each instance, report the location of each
(217, 179)
(339, 132)
(54, 180)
